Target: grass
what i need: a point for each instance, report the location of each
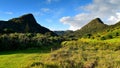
(83, 53)
(22, 58)
(86, 53)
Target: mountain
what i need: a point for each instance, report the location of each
(61, 33)
(94, 26)
(23, 24)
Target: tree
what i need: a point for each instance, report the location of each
(6, 30)
(89, 35)
(110, 36)
(27, 28)
(103, 38)
(117, 34)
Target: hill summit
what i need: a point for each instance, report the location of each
(26, 19)
(94, 26)
(23, 24)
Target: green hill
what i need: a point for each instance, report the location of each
(36, 50)
(95, 29)
(92, 27)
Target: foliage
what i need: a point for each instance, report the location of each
(96, 45)
(16, 41)
(85, 53)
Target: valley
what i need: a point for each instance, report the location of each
(26, 44)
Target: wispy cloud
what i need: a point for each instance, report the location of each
(42, 11)
(50, 1)
(46, 10)
(9, 13)
(49, 20)
(107, 10)
(6, 12)
(49, 12)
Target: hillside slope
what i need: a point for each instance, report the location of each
(93, 26)
(113, 31)
(23, 24)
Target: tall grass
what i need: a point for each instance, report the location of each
(84, 53)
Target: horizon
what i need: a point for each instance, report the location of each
(60, 15)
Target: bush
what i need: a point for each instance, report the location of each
(117, 34)
(109, 36)
(20, 41)
(103, 38)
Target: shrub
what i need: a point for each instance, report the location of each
(20, 41)
(103, 38)
(109, 36)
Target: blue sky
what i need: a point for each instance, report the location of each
(46, 12)
(62, 14)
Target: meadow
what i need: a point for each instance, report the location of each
(26, 44)
(82, 53)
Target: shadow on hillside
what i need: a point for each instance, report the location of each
(27, 51)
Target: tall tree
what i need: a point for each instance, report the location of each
(27, 28)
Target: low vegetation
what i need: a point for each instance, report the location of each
(20, 41)
(84, 53)
(30, 45)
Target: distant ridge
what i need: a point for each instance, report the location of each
(23, 24)
(61, 33)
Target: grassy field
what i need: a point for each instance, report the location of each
(86, 53)
(83, 53)
(21, 59)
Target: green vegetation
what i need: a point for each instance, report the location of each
(26, 44)
(109, 33)
(92, 27)
(22, 58)
(19, 41)
(83, 53)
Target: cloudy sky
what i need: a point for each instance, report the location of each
(62, 14)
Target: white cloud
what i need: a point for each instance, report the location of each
(114, 19)
(45, 10)
(9, 13)
(107, 10)
(49, 20)
(50, 1)
(76, 21)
